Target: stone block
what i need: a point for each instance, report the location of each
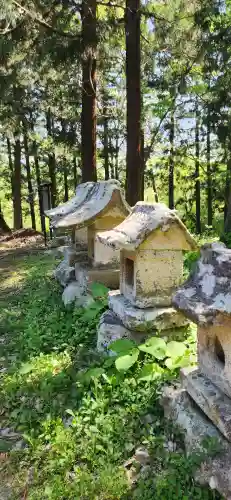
(87, 274)
(76, 293)
(64, 273)
(144, 320)
(209, 398)
(181, 409)
(111, 328)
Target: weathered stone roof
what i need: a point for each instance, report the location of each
(95, 199)
(207, 292)
(82, 192)
(143, 220)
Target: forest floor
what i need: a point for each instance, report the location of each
(75, 430)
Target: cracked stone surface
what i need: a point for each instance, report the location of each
(144, 320)
(111, 328)
(207, 292)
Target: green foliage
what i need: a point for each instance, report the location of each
(81, 419)
(173, 355)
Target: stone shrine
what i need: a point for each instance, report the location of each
(78, 237)
(151, 241)
(203, 401)
(100, 207)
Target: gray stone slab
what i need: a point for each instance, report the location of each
(209, 398)
(64, 273)
(111, 328)
(144, 320)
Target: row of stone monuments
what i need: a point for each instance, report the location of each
(138, 253)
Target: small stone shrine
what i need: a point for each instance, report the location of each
(101, 207)
(78, 237)
(151, 241)
(203, 402)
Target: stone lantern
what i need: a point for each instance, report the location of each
(100, 207)
(151, 241)
(202, 404)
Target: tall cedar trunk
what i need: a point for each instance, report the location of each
(105, 143)
(51, 160)
(156, 197)
(111, 158)
(29, 182)
(4, 228)
(133, 162)
(142, 164)
(38, 180)
(171, 162)
(209, 173)
(227, 209)
(75, 172)
(117, 159)
(197, 171)
(88, 118)
(11, 167)
(17, 200)
(65, 180)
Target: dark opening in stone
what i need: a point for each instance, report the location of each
(219, 351)
(129, 272)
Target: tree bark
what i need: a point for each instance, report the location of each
(171, 162)
(65, 180)
(29, 182)
(75, 172)
(197, 171)
(209, 173)
(105, 143)
(51, 161)
(38, 181)
(133, 160)
(88, 118)
(11, 167)
(17, 200)
(117, 159)
(4, 228)
(142, 164)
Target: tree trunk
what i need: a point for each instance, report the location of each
(105, 143)
(117, 159)
(133, 161)
(38, 180)
(142, 164)
(17, 200)
(171, 162)
(51, 161)
(75, 172)
(197, 171)
(29, 182)
(11, 167)
(209, 173)
(88, 118)
(4, 228)
(65, 180)
(156, 198)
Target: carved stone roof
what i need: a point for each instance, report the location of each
(143, 220)
(207, 292)
(94, 200)
(82, 192)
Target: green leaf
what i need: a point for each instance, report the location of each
(150, 372)
(175, 349)
(98, 290)
(123, 363)
(93, 373)
(26, 368)
(154, 346)
(122, 346)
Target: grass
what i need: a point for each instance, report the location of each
(78, 430)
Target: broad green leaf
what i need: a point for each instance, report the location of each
(154, 346)
(175, 349)
(93, 373)
(121, 346)
(98, 290)
(26, 368)
(150, 372)
(123, 363)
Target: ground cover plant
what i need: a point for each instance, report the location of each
(79, 418)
